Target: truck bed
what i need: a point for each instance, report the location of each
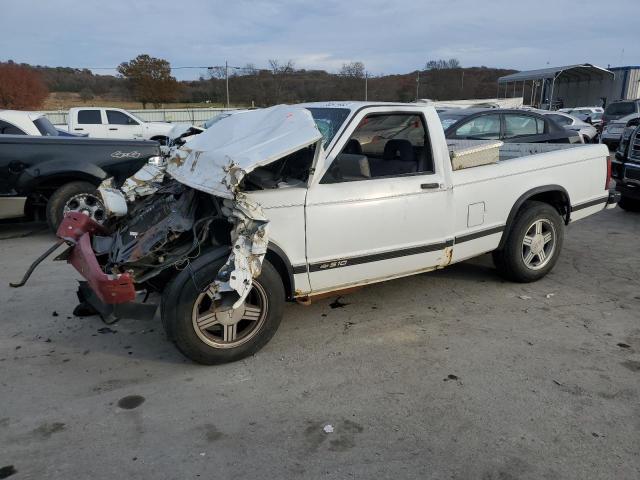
(474, 153)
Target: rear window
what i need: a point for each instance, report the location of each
(621, 108)
(89, 117)
(560, 119)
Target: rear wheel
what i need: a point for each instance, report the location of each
(208, 333)
(533, 244)
(74, 197)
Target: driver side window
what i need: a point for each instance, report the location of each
(383, 145)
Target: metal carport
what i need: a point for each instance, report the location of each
(577, 85)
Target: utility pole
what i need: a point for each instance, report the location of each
(226, 76)
(462, 83)
(418, 86)
(366, 86)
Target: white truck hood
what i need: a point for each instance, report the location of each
(216, 160)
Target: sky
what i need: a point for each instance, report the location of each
(392, 36)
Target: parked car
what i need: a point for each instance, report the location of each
(511, 126)
(593, 118)
(626, 166)
(18, 122)
(101, 122)
(617, 111)
(612, 131)
(298, 202)
(58, 174)
(581, 110)
(588, 132)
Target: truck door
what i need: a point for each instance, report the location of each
(381, 208)
(91, 122)
(122, 125)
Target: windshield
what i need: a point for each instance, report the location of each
(45, 127)
(329, 121)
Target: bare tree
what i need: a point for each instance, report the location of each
(353, 69)
(249, 69)
(352, 81)
(216, 72)
(442, 64)
(280, 72)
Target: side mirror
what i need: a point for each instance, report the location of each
(588, 120)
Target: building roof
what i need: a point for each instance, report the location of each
(582, 71)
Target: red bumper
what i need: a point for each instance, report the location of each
(77, 228)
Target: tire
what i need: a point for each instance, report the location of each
(182, 304)
(58, 201)
(515, 261)
(629, 204)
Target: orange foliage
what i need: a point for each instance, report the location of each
(21, 88)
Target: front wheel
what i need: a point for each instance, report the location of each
(74, 197)
(533, 244)
(209, 334)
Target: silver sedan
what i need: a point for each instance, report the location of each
(588, 132)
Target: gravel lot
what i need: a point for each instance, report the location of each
(453, 374)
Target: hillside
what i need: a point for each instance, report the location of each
(74, 87)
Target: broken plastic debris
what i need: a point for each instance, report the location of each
(328, 428)
(524, 297)
(549, 295)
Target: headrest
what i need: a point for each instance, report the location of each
(398, 149)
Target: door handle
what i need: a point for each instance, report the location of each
(113, 129)
(429, 186)
(78, 128)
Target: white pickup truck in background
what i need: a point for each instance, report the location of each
(105, 122)
(296, 202)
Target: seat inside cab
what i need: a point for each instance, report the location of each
(383, 145)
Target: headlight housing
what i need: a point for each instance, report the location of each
(156, 161)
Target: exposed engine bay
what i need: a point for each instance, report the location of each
(198, 198)
(160, 231)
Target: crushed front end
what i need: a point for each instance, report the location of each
(168, 214)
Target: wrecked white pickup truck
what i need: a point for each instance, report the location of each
(294, 202)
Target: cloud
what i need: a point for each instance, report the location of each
(388, 36)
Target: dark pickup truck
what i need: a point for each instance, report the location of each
(56, 175)
(625, 167)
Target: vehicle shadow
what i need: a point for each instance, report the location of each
(10, 229)
(473, 270)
